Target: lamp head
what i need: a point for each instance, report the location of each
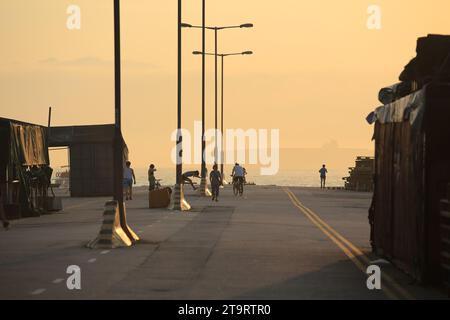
(246, 25)
(186, 25)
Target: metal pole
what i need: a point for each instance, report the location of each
(221, 124)
(49, 124)
(49, 116)
(203, 169)
(180, 138)
(215, 92)
(118, 145)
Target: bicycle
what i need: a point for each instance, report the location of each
(238, 186)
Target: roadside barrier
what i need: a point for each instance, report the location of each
(178, 202)
(111, 234)
(159, 198)
(203, 189)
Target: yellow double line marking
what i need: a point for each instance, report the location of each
(351, 251)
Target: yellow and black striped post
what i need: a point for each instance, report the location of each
(178, 201)
(111, 233)
(203, 189)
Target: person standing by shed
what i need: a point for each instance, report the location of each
(215, 178)
(128, 179)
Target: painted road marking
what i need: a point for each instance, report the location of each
(59, 280)
(38, 291)
(347, 252)
(104, 252)
(340, 241)
(92, 260)
(358, 251)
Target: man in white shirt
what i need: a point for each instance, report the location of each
(238, 173)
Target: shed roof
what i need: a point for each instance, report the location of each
(69, 135)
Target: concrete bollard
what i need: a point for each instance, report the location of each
(203, 190)
(177, 201)
(111, 234)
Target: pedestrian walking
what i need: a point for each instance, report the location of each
(323, 176)
(215, 178)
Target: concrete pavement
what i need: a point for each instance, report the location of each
(261, 246)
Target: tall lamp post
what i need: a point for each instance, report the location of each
(215, 29)
(118, 154)
(178, 201)
(118, 145)
(222, 56)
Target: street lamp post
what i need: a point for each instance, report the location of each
(222, 95)
(215, 29)
(118, 145)
(178, 202)
(221, 120)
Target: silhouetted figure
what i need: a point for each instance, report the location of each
(187, 177)
(238, 173)
(151, 178)
(215, 178)
(128, 179)
(323, 176)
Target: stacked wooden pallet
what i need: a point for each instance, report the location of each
(361, 175)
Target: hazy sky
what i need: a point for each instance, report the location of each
(315, 73)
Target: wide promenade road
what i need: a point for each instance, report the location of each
(273, 243)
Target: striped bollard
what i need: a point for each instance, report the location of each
(111, 234)
(178, 201)
(203, 190)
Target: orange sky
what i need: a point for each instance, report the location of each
(315, 73)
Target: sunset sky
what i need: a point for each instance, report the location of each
(315, 72)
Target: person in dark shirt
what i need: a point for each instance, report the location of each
(152, 182)
(323, 176)
(215, 178)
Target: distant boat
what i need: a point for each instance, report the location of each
(62, 178)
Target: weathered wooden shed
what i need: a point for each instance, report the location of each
(90, 156)
(412, 171)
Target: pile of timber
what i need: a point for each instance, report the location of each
(361, 175)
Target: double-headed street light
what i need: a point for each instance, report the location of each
(216, 29)
(245, 25)
(221, 91)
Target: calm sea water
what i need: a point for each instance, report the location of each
(300, 178)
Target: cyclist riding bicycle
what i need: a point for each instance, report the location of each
(238, 173)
